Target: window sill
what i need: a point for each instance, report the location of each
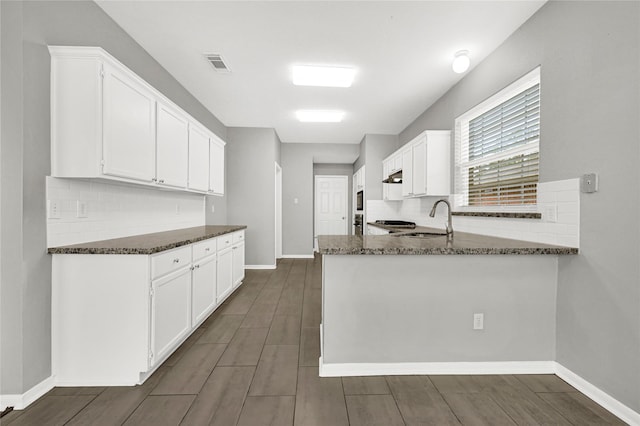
(508, 215)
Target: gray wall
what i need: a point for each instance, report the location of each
(337, 170)
(27, 29)
(378, 147)
(589, 114)
(11, 245)
(251, 157)
(297, 182)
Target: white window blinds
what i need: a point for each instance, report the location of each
(497, 152)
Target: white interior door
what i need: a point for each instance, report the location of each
(278, 212)
(331, 205)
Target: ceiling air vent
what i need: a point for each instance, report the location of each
(217, 62)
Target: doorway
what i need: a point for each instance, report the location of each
(278, 215)
(331, 206)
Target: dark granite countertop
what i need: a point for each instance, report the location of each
(461, 243)
(148, 243)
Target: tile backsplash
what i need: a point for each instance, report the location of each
(115, 210)
(560, 199)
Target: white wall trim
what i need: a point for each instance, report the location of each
(259, 266)
(608, 402)
(297, 256)
(20, 402)
(611, 404)
(412, 368)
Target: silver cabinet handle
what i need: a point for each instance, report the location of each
(153, 179)
(176, 260)
(161, 181)
(207, 249)
(197, 266)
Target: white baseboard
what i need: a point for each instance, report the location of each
(21, 401)
(434, 368)
(611, 404)
(297, 256)
(259, 266)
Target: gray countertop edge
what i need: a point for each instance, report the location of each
(450, 251)
(84, 248)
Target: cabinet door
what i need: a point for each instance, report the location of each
(203, 289)
(407, 172)
(172, 147)
(438, 164)
(397, 163)
(225, 274)
(420, 167)
(238, 264)
(198, 159)
(386, 168)
(129, 142)
(216, 167)
(170, 312)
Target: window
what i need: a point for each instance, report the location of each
(497, 150)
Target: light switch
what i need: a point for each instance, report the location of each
(81, 209)
(54, 209)
(589, 183)
(550, 214)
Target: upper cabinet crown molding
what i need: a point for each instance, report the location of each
(108, 123)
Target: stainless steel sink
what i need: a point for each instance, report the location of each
(419, 234)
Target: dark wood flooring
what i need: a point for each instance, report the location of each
(255, 362)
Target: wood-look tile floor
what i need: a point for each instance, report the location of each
(255, 362)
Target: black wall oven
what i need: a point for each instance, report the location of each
(360, 201)
(357, 224)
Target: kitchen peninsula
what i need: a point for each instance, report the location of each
(406, 305)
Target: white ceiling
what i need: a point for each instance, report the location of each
(402, 52)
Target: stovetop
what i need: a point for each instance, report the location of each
(397, 223)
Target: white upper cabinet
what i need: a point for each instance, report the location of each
(425, 163)
(106, 122)
(129, 127)
(172, 148)
(420, 166)
(216, 166)
(198, 159)
(407, 172)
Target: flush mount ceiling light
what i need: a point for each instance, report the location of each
(319, 116)
(461, 61)
(310, 75)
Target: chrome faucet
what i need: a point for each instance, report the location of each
(449, 226)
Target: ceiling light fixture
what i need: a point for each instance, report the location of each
(319, 116)
(461, 61)
(310, 75)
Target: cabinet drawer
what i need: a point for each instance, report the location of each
(204, 248)
(238, 236)
(170, 261)
(225, 241)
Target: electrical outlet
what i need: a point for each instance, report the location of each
(550, 214)
(53, 208)
(81, 209)
(589, 183)
(478, 321)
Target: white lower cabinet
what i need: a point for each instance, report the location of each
(225, 274)
(170, 313)
(117, 317)
(203, 289)
(238, 264)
